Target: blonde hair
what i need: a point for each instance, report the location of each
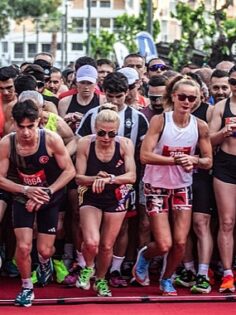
(174, 85)
(107, 113)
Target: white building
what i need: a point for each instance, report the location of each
(24, 41)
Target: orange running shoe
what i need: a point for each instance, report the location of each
(227, 284)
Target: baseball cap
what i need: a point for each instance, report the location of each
(35, 70)
(87, 73)
(45, 65)
(130, 73)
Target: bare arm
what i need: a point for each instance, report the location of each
(63, 105)
(204, 143)
(64, 131)
(218, 135)
(150, 140)
(81, 162)
(50, 107)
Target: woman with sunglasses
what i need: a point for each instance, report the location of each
(105, 171)
(223, 136)
(168, 152)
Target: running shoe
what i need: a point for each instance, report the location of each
(71, 278)
(101, 287)
(141, 269)
(227, 284)
(186, 279)
(34, 278)
(202, 285)
(44, 273)
(116, 280)
(167, 288)
(11, 269)
(60, 270)
(25, 297)
(83, 280)
(126, 269)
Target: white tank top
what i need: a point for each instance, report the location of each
(173, 141)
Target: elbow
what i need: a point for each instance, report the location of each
(143, 158)
(208, 165)
(133, 178)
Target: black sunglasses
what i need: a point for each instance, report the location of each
(155, 98)
(158, 66)
(232, 81)
(102, 133)
(183, 97)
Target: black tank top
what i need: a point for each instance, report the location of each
(114, 166)
(38, 169)
(76, 107)
(227, 113)
(201, 111)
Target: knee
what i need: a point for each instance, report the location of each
(227, 225)
(165, 247)
(46, 251)
(180, 246)
(24, 249)
(91, 245)
(201, 228)
(106, 248)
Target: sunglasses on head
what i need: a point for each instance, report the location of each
(183, 97)
(232, 81)
(102, 133)
(158, 67)
(155, 98)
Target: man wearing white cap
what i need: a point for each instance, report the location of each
(133, 98)
(73, 107)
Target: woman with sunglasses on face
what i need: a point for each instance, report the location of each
(168, 152)
(105, 171)
(223, 136)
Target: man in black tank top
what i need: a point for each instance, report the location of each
(35, 167)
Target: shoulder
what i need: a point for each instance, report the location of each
(202, 127)
(126, 145)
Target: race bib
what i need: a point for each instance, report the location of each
(175, 151)
(36, 179)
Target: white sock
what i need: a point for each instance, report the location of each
(190, 266)
(203, 269)
(43, 260)
(228, 272)
(27, 283)
(116, 263)
(80, 259)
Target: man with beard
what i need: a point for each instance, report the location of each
(219, 86)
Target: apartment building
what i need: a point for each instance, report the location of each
(28, 38)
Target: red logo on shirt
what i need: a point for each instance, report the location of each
(43, 159)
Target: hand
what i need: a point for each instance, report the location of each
(37, 194)
(185, 161)
(31, 205)
(228, 130)
(99, 184)
(102, 174)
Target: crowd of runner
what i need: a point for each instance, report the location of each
(117, 176)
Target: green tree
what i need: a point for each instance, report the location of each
(5, 13)
(217, 32)
(102, 45)
(128, 26)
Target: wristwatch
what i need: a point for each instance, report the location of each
(25, 190)
(112, 178)
(48, 191)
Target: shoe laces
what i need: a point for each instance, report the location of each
(86, 274)
(102, 286)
